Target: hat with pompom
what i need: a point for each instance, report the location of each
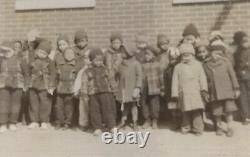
(191, 29)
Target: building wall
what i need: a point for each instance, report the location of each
(127, 16)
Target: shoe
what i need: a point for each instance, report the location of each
(13, 127)
(135, 126)
(97, 132)
(146, 124)
(3, 128)
(44, 126)
(66, 126)
(198, 133)
(245, 122)
(58, 127)
(230, 132)
(219, 132)
(33, 125)
(84, 128)
(121, 124)
(155, 124)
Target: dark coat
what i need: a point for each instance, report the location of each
(82, 57)
(242, 64)
(222, 81)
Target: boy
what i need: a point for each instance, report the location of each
(190, 35)
(130, 84)
(141, 47)
(189, 80)
(163, 45)
(42, 76)
(242, 67)
(153, 89)
(96, 84)
(13, 74)
(223, 88)
(66, 74)
(202, 52)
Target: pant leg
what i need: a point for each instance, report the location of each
(186, 121)
(4, 105)
(84, 111)
(134, 112)
(155, 106)
(68, 109)
(197, 121)
(45, 107)
(59, 109)
(15, 106)
(145, 108)
(34, 105)
(95, 112)
(107, 106)
(244, 100)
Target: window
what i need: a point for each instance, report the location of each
(53, 4)
(197, 1)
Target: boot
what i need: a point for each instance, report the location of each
(146, 124)
(122, 123)
(135, 126)
(154, 124)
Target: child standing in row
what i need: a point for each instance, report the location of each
(189, 80)
(96, 84)
(223, 88)
(65, 77)
(13, 81)
(41, 78)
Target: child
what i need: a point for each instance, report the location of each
(223, 88)
(113, 59)
(96, 84)
(163, 45)
(82, 61)
(174, 56)
(42, 76)
(141, 47)
(242, 67)
(66, 74)
(189, 80)
(202, 52)
(13, 74)
(190, 35)
(130, 83)
(153, 89)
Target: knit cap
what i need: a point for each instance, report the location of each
(186, 48)
(218, 45)
(141, 37)
(162, 39)
(79, 35)
(202, 43)
(215, 34)
(63, 37)
(238, 37)
(191, 30)
(116, 35)
(45, 45)
(95, 52)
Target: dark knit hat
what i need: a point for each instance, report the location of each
(79, 35)
(95, 52)
(162, 39)
(142, 37)
(217, 45)
(238, 37)
(191, 30)
(45, 45)
(116, 35)
(63, 37)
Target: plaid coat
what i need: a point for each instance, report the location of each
(153, 82)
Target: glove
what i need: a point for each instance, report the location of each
(205, 96)
(136, 93)
(237, 93)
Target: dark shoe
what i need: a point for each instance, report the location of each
(198, 133)
(230, 132)
(135, 126)
(57, 126)
(84, 128)
(121, 124)
(245, 122)
(219, 132)
(146, 124)
(66, 126)
(155, 124)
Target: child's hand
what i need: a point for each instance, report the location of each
(237, 93)
(205, 96)
(25, 89)
(51, 91)
(136, 93)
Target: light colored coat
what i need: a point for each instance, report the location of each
(188, 82)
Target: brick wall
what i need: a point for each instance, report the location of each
(127, 16)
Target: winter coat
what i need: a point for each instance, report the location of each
(13, 72)
(65, 74)
(130, 77)
(140, 55)
(242, 64)
(164, 60)
(189, 80)
(95, 80)
(42, 74)
(222, 81)
(82, 57)
(113, 60)
(152, 78)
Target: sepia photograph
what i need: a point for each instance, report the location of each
(124, 78)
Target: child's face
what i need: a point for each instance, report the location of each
(9, 53)
(164, 47)
(98, 61)
(149, 56)
(17, 47)
(245, 42)
(216, 54)
(31, 46)
(62, 45)
(141, 45)
(202, 53)
(82, 43)
(189, 39)
(41, 54)
(116, 44)
(187, 57)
